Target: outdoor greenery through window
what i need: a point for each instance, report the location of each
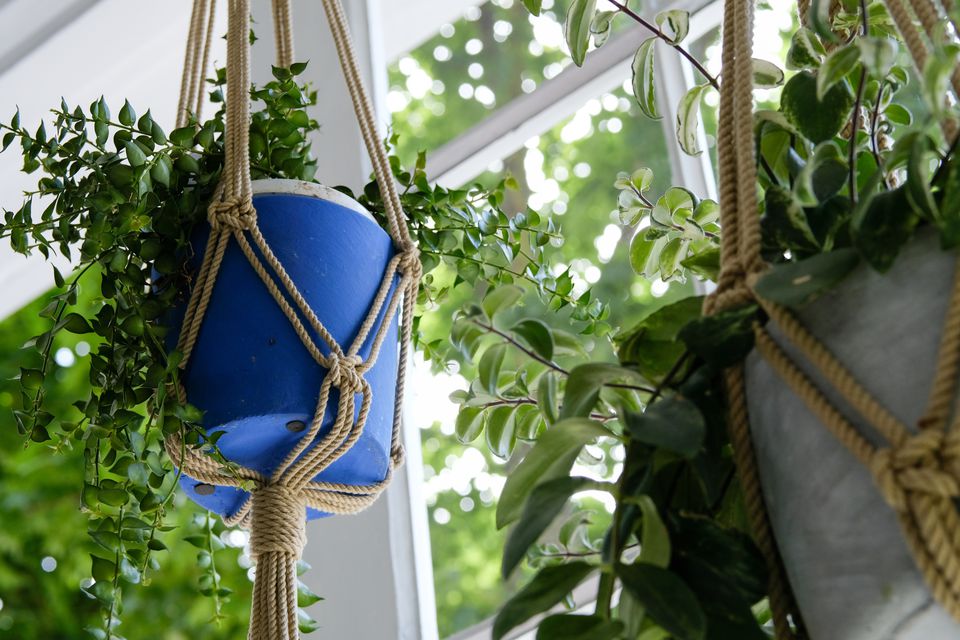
(578, 337)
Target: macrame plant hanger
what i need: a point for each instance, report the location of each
(917, 472)
(275, 511)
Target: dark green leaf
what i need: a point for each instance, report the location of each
(127, 115)
(533, 6)
(882, 226)
(135, 154)
(724, 339)
(568, 626)
(795, 284)
(674, 424)
(547, 588)
(545, 503)
(538, 335)
(817, 120)
(102, 570)
(552, 456)
(667, 599)
(75, 323)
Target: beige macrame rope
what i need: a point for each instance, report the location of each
(738, 206)
(917, 472)
(275, 512)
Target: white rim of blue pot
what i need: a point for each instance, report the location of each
(311, 190)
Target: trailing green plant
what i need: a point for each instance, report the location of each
(851, 163)
(116, 204)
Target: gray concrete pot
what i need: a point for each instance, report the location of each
(850, 569)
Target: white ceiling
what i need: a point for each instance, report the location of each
(80, 49)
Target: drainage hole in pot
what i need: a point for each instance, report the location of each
(296, 426)
(204, 489)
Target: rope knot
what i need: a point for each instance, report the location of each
(233, 213)
(278, 521)
(927, 463)
(409, 263)
(344, 372)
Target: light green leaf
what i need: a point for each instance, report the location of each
(129, 572)
(898, 114)
(577, 28)
(489, 367)
(306, 597)
(584, 384)
(655, 540)
(602, 26)
(688, 120)
(672, 255)
(552, 456)
(674, 24)
(878, 55)
(500, 298)
(766, 75)
(501, 431)
(547, 588)
(547, 398)
(806, 51)
(820, 19)
(838, 65)
(644, 87)
(469, 424)
(645, 253)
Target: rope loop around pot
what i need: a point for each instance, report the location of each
(917, 471)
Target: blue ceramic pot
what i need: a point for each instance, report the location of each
(250, 373)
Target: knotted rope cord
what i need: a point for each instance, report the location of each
(275, 510)
(917, 473)
(737, 178)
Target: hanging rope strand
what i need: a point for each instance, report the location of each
(275, 510)
(918, 473)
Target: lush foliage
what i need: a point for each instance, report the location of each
(583, 391)
(120, 197)
(847, 173)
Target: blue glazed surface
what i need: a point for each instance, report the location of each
(250, 373)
